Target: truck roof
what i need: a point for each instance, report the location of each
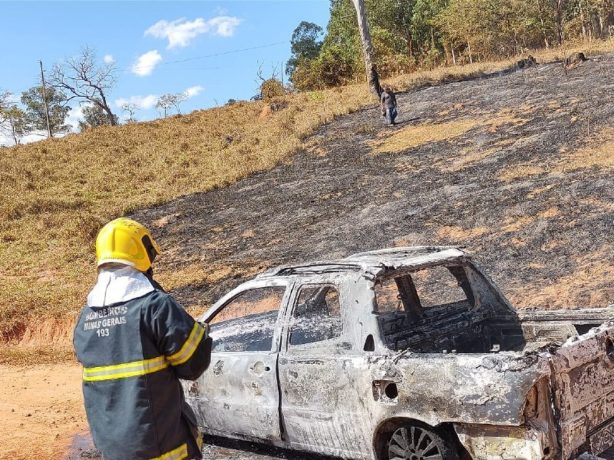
(375, 261)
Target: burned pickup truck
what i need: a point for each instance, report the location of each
(406, 353)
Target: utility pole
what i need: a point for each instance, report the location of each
(49, 134)
(367, 47)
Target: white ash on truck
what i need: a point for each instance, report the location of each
(405, 353)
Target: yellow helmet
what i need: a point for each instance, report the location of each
(125, 241)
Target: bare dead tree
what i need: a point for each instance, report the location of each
(130, 109)
(84, 79)
(179, 99)
(166, 101)
(5, 97)
(367, 47)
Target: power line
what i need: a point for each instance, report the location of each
(207, 56)
(224, 53)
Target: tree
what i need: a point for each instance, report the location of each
(271, 87)
(5, 98)
(12, 118)
(130, 109)
(94, 116)
(367, 47)
(305, 45)
(167, 101)
(83, 79)
(35, 112)
(13, 122)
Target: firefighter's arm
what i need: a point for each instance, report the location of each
(184, 342)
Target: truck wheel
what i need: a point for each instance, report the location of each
(416, 442)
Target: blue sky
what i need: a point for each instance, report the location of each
(210, 49)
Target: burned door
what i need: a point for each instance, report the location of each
(238, 395)
(322, 377)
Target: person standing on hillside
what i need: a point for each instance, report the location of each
(135, 342)
(389, 105)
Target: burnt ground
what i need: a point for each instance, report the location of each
(504, 166)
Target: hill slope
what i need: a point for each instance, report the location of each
(517, 168)
(338, 195)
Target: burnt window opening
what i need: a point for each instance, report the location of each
(247, 322)
(582, 329)
(432, 287)
(433, 310)
(316, 316)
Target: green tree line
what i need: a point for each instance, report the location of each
(413, 34)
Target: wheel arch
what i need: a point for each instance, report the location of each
(386, 427)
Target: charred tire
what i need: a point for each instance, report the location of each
(415, 441)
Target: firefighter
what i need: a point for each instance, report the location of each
(135, 342)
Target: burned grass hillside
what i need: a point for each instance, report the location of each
(516, 168)
(515, 165)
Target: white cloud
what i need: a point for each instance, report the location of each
(140, 102)
(224, 26)
(108, 59)
(193, 91)
(181, 32)
(75, 116)
(7, 140)
(146, 63)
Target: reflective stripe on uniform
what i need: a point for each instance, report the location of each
(189, 346)
(179, 453)
(124, 370)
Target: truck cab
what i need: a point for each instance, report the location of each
(404, 353)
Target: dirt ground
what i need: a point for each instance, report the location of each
(42, 418)
(41, 409)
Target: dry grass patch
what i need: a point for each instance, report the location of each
(514, 224)
(549, 213)
(518, 242)
(469, 156)
(466, 157)
(521, 171)
(58, 193)
(599, 152)
(415, 136)
(597, 203)
(552, 245)
(508, 117)
(538, 191)
(588, 286)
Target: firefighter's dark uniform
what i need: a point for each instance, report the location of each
(133, 354)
